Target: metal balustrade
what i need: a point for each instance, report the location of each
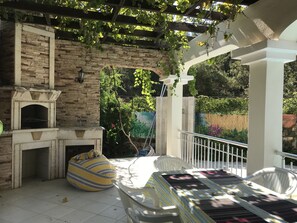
(209, 152)
(289, 160)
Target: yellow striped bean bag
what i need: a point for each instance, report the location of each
(90, 172)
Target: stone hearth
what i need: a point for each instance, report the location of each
(56, 140)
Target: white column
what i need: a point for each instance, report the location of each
(266, 61)
(174, 113)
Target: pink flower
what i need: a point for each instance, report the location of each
(215, 130)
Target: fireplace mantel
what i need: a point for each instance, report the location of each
(35, 95)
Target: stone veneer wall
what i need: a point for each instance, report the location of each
(5, 161)
(7, 53)
(78, 104)
(35, 60)
(5, 107)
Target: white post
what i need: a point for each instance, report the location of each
(174, 113)
(266, 60)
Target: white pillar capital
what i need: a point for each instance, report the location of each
(268, 50)
(183, 79)
(174, 112)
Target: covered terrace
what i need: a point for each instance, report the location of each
(264, 38)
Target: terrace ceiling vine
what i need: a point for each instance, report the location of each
(157, 24)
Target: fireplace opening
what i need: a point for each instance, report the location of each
(34, 117)
(75, 150)
(35, 163)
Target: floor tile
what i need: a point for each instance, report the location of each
(105, 198)
(33, 204)
(11, 195)
(95, 207)
(77, 203)
(58, 212)
(39, 219)
(114, 212)
(124, 220)
(77, 216)
(44, 195)
(60, 196)
(4, 221)
(119, 204)
(99, 218)
(56, 201)
(15, 214)
(112, 191)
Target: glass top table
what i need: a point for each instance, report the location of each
(218, 196)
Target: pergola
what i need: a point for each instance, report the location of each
(264, 37)
(145, 35)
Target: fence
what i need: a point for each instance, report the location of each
(230, 122)
(206, 152)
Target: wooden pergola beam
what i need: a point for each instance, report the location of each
(46, 14)
(78, 13)
(139, 43)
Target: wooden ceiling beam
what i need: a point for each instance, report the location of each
(117, 9)
(75, 25)
(139, 43)
(47, 15)
(77, 13)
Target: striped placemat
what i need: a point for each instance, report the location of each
(221, 177)
(184, 181)
(274, 205)
(227, 211)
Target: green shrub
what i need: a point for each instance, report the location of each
(290, 105)
(206, 104)
(201, 129)
(235, 135)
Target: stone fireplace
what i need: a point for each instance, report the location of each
(36, 145)
(36, 140)
(33, 120)
(42, 104)
(56, 141)
(39, 149)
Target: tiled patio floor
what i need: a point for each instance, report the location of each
(56, 201)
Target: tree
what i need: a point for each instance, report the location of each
(118, 112)
(290, 79)
(223, 77)
(220, 77)
(115, 114)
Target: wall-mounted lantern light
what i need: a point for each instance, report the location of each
(80, 76)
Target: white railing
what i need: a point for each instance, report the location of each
(289, 160)
(204, 151)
